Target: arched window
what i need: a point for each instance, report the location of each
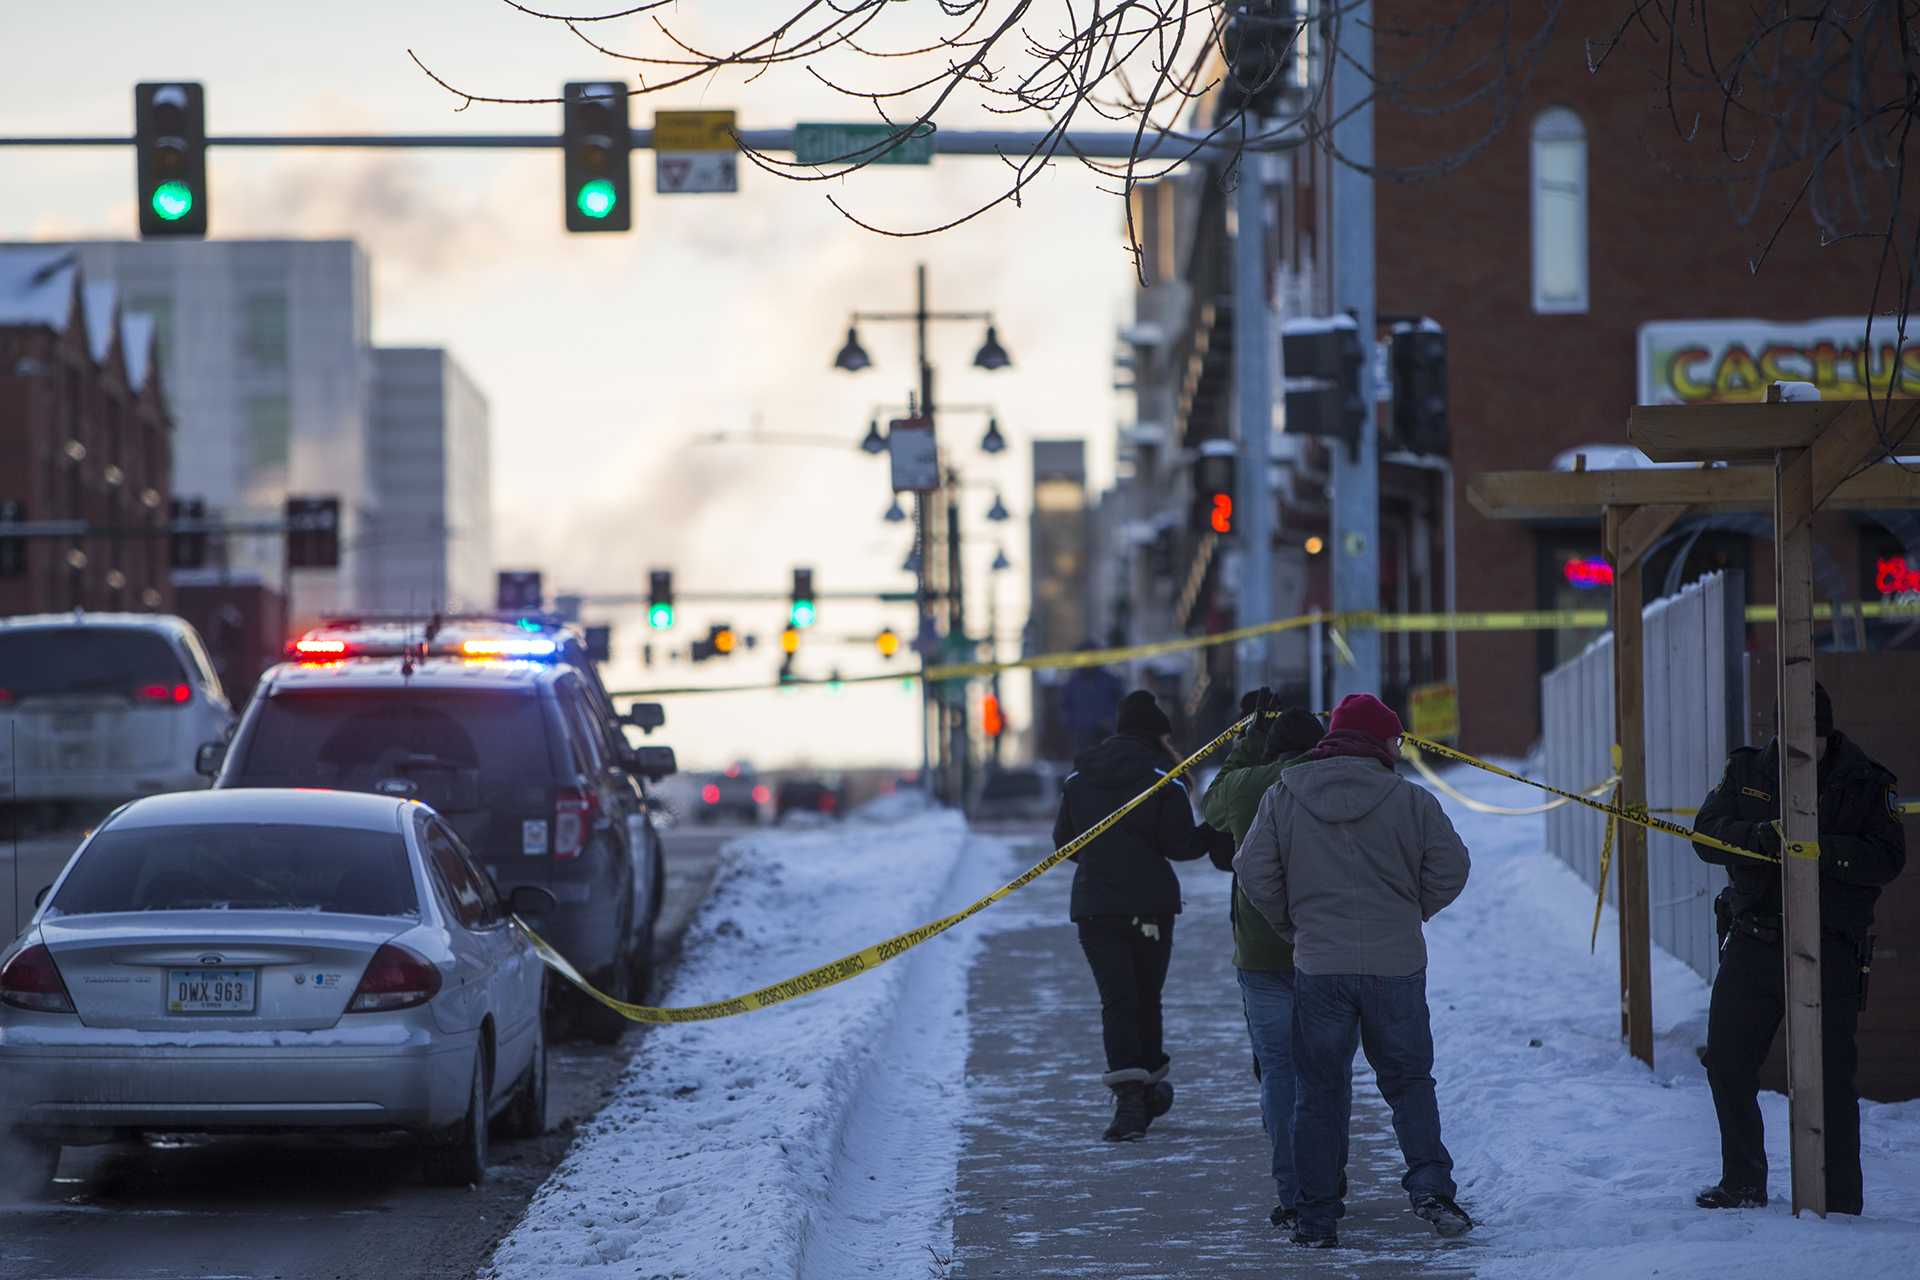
(1559, 212)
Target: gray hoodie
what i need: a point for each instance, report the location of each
(1346, 859)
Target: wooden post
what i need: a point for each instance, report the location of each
(1793, 506)
(1636, 958)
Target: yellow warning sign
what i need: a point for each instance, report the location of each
(693, 131)
(1435, 709)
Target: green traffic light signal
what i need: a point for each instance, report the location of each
(801, 615)
(596, 198)
(660, 616)
(172, 201)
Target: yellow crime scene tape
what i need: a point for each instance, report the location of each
(871, 957)
(1440, 784)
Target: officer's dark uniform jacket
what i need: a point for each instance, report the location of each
(1124, 871)
(1862, 846)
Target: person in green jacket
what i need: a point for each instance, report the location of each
(1276, 739)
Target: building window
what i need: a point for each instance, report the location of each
(263, 331)
(1559, 212)
(269, 424)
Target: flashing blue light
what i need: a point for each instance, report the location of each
(527, 624)
(508, 648)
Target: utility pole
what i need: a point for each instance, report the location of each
(1253, 397)
(1356, 471)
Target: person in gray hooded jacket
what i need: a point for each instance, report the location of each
(1347, 860)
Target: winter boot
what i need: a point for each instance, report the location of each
(1722, 1196)
(1314, 1239)
(1448, 1218)
(1129, 1104)
(1159, 1094)
(1285, 1217)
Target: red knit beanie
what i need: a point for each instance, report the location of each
(1364, 713)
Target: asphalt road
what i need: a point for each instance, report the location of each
(304, 1209)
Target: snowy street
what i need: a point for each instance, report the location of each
(833, 1137)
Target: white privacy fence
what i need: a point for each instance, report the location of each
(1694, 705)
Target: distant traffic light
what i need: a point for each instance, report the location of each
(1417, 356)
(596, 140)
(722, 639)
(1327, 379)
(790, 641)
(992, 722)
(802, 612)
(1213, 474)
(170, 158)
(313, 533)
(186, 550)
(660, 599)
(887, 642)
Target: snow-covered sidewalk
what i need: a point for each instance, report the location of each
(768, 1145)
(1578, 1161)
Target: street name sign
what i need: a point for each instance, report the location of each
(694, 152)
(816, 143)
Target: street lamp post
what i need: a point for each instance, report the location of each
(852, 358)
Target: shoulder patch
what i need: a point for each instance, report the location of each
(1756, 794)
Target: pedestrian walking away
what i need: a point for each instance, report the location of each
(1262, 959)
(1347, 860)
(1125, 898)
(1862, 848)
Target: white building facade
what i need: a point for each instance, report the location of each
(431, 545)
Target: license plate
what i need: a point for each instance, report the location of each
(210, 990)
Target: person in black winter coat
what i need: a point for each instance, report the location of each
(1862, 848)
(1125, 897)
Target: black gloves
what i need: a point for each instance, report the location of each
(1219, 848)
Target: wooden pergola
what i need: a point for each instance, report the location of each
(1822, 454)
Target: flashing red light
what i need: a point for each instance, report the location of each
(733, 770)
(992, 722)
(319, 648)
(1896, 576)
(710, 793)
(162, 694)
(1588, 574)
(761, 794)
(1221, 514)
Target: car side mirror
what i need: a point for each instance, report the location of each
(208, 759)
(531, 900)
(645, 716)
(655, 763)
(40, 898)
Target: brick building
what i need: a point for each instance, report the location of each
(1575, 275)
(84, 434)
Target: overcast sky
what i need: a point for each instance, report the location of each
(604, 356)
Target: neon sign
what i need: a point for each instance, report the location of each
(1896, 576)
(1588, 574)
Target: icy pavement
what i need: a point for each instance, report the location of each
(1041, 1195)
(814, 1139)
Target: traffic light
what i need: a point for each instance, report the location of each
(1418, 357)
(1213, 473)
(13, 551)
(802, 612)
(313, 533)
(596, 139)
(1257, 41)
(992, 722)
(721, 639)
(517, 591)
(170, 158)
(186, 550)
(1325, 368)
(660, 599)
(887, 642)
(790, 641)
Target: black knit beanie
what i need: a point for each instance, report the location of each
(1139, 713)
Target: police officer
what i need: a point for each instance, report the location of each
(1862, 848)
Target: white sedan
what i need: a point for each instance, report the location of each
(268, 960)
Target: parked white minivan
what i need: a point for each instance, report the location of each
(104, 706)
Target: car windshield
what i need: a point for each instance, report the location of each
(44, 662)
(450, 748)
(241, 867)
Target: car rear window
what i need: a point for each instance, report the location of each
(453, 746)
(241, 867)
(48, 662)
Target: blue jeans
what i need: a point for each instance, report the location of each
(1388, 1018)
(1267, 999)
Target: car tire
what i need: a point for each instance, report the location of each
(457, 1155)
(526, 1116)
(27, 1166)
(599, 1023)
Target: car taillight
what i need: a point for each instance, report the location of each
(761, 794)
(32, 981)
(395, 979)
(572, 818)
(710, 793)
(162, 695)
(827, 802)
